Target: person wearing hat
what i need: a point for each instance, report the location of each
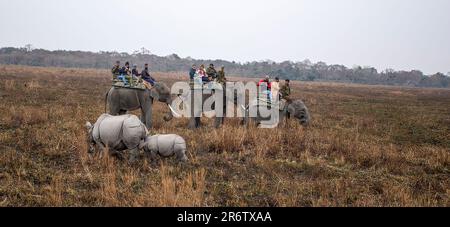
(116, 71)
(148, 80)
(276, 88)
(211, 72)
(264, 81)
(221, 76)
(201, 73)
(135, 72)
(192, 72)
(126, 69)
(125, 74)
(286, 90)
(134, 75)
(266, 87)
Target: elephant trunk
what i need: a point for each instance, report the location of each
(169, 116)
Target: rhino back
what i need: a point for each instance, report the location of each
(166, 144)
(179, 144)
(134, 131)
(109, 130)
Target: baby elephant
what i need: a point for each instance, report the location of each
(166, 145)
(118, 133)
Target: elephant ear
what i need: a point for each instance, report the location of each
(154, 94)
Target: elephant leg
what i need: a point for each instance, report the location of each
(245, 119)
(147, 115)
(198, 122)
(142, 117)
(191, 123)
(286, 119)
(282, 122)
(257, 121)
(114, 110)
(148, 120)
(196, 113)
(250, 121)
(218, 122)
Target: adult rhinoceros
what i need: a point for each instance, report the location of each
(118, 133)
(122, 100)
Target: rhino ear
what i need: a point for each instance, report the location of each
(142, 145)
(88, 125)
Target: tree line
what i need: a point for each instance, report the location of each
(304, 70)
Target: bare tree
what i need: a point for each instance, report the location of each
(29, 47)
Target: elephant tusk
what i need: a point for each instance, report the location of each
(174, 113)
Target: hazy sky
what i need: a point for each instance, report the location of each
(399, 34)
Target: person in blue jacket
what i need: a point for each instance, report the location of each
(148, 79)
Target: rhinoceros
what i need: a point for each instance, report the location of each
(166, 145)
(118, 133)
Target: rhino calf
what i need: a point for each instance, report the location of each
(166, 145)
(118, 133)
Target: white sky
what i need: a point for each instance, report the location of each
(399, 34)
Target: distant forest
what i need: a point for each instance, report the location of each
(304, 71)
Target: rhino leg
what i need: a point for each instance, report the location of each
(100, 149)
(181, 156)
(152, 155)
(116, 154)
(134, 155)
(180, 149)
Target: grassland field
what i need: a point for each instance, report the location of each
(366, 146)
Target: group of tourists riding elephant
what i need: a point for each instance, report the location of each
(119, 131)
(122, 100)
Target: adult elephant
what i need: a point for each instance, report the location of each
(194, 110)
(122, 100)
(295, 108)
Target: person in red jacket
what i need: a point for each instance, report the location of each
(266, 81)
(266, 85)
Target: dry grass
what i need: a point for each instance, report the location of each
(366, 146)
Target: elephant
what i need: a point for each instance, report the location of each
(294, 108)
(122, 100)
(196, 111)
